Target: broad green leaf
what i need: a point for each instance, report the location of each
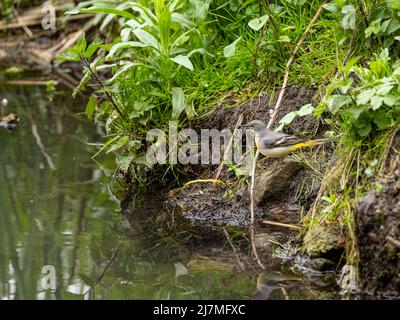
(355, 112)
(178, 102)
(147, 38)
(365, 96)
(376, 102)
(230, 50)
(124, 45)
(336, 102)
(305, 110)
(257, 23)
(349, 17)
(183, 61)
(381, 119)
(373, 28)
(91, 106)
(331, 6)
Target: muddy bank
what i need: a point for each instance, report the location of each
(378, 232)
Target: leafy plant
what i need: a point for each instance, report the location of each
(366, 99)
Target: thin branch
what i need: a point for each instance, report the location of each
(275, 111)
(279, 224)
(110, 98)
(252, 212)
(228, 238)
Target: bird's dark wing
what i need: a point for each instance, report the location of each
(288, 140)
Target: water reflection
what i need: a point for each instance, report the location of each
(58, 218)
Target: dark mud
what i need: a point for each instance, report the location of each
(229, 205)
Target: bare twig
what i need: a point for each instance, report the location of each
(252, 212)
(279, 224)
(275, 111)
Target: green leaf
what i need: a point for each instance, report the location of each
(81, 44)
(305, 110)
(257, 23)
(91, 106)
(82, 85)
(68, 56)
(183, 61)
(178, 102)
(92, 48)
(118, 144)
(365, 96)
(349, 17)
(106, 10)
(355, 112)
(284, 39)
(381, 119)
(373, 28)
(123, 69)
(147, 39)
(376, 102)
(363, 124)
(124, 162)
(230, 50)
(336, 102)
(124, 45)
(331, 7)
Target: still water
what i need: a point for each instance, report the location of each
(61, 232)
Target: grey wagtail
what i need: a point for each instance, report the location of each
(275, 144)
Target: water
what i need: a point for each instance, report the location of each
(62, 234)
(58, 218)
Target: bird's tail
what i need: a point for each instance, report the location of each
(309, 143)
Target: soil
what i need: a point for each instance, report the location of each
(378, 233)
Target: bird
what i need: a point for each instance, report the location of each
(278, 145)
(10, 121)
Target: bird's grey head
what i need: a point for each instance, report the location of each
(257, 125)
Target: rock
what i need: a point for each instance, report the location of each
(275, 181)
(322, 264)
(323, 240)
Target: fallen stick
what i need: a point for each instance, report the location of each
(279, 224)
